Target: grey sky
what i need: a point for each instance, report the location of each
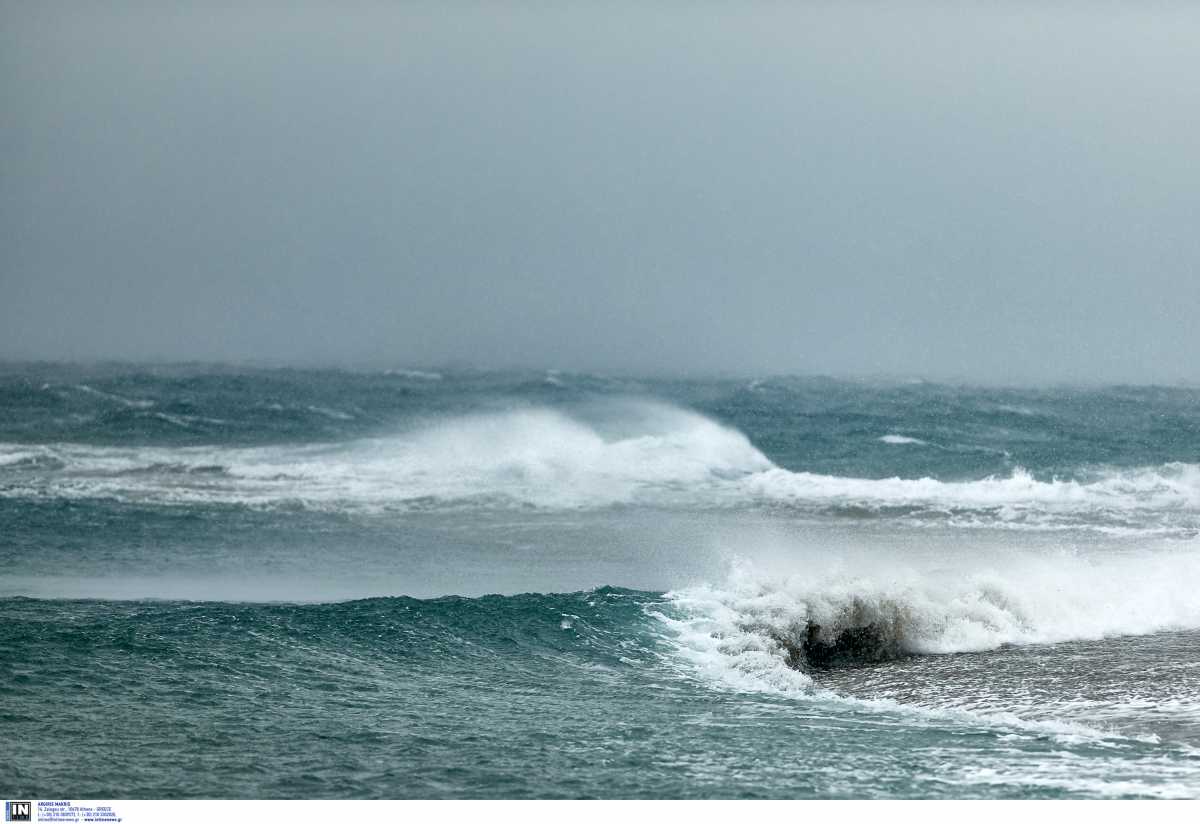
(997, 191)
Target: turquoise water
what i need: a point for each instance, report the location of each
(225, 582)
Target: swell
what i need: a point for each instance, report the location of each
(597, 626)
(750, 635)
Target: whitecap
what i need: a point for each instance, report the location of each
(901, 439)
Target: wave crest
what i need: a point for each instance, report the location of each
(829, 615)
(615, 453)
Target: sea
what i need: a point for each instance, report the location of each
(261, 582)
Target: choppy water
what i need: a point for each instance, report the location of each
(250, 582)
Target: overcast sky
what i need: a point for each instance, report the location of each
(990, 191)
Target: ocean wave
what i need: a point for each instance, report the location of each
(623, 453)
(1171, 487)
(597, 660)
(414, 374)
(121, 400)
(901, 440)
(618, 453)
(333, 414)
(754, 634)
(726, 639)
(763, 622)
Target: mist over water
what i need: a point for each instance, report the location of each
(880, 568)
(427, 400)
(995, 193)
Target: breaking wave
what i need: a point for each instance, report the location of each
(761, 630)
(618, 453)
(1112, 499)
(901, 440)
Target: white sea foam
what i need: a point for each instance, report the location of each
(16, 454)
(548, 458)
(975, 601)
(621, 453)
(133, 403)
(900, 440)
(334, 414)
(1173, 487)
(737, 635)
(414, 374)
